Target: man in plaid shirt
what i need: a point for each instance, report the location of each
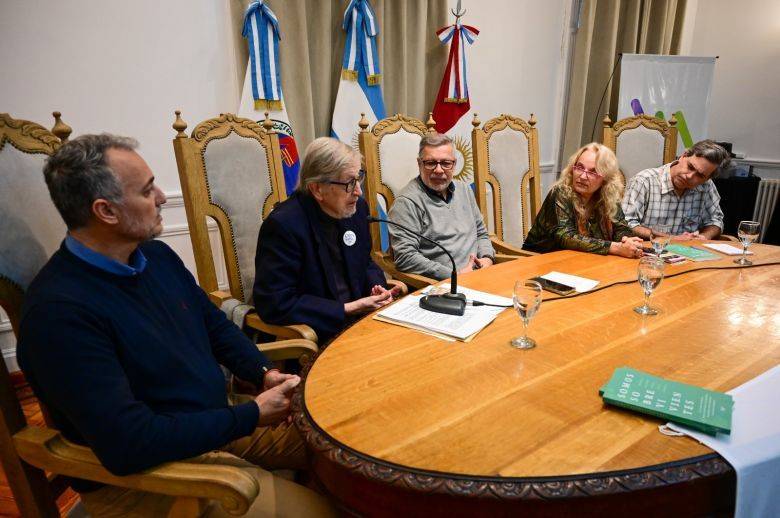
(679, 195)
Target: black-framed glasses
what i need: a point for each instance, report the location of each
(350, 186)
(430, 165)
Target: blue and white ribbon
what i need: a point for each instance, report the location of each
(261, 29)
(360, 47)
(458, 89)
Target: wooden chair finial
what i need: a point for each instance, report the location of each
(607, 121)
(61, 130)
(363, 123)
(475, 121)
(268, 124)
(430, 123)
(673, 121)
(532, 120)
(179, 125)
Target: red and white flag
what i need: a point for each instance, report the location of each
(452, 108)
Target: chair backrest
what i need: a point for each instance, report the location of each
(31, 232)
(390, 152)
(32, 228)
(230, 170)
(507, 175)
(641, 142)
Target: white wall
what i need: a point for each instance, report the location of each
(745, 107)
(121, 67)
(516, 66)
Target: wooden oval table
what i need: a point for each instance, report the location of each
(402, 423)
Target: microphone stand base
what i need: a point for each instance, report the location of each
(449, 304)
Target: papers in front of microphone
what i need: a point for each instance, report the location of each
(408, 313)
(580, 284)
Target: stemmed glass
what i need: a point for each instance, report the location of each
(651, 271)
(527, 297)
(660, 235)
(748, 233)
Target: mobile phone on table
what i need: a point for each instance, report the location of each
(554, 287)
(671, 258)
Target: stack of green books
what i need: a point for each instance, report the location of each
(701, 409)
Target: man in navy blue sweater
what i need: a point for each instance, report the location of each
(314, 249)
(123, 347)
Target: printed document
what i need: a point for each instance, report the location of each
(408, 313)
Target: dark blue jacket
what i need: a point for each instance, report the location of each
(128, 365)
(294, 281)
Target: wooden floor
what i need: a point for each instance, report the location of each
(33, 414)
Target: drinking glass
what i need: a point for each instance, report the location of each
(660, 235)
(651, 271)
(748, 233)
(527, 297)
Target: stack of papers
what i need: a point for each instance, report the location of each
(698, 408)
(408, 313)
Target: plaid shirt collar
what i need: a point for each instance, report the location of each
(666, 179)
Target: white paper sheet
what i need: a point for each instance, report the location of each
(726, 249)
(580, 284)
(408, 312)
(753, 448)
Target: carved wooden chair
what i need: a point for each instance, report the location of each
(390, 152)
(641, 142)
(35, 459)
(507, 178)
(231, 171)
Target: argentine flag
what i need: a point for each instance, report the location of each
(359, 90)
(262, 90)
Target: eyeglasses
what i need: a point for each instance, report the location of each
(592, 173)
(430, 165)
(350, 186)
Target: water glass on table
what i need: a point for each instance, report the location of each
(650, 273)
(660, 235)
(747, 232)
(526, 297)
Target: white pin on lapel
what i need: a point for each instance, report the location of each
(349, 238)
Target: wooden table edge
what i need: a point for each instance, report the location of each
(711, 472)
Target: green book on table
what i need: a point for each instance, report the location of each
(694, 253)
(695, 407)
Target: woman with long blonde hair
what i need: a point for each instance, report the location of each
(582, 211)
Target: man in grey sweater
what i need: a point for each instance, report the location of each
(442, 210)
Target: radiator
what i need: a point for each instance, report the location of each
(766, 201)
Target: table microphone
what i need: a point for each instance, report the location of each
(452, 303)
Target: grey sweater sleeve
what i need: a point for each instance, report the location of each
(484, 246)
(406, 246)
